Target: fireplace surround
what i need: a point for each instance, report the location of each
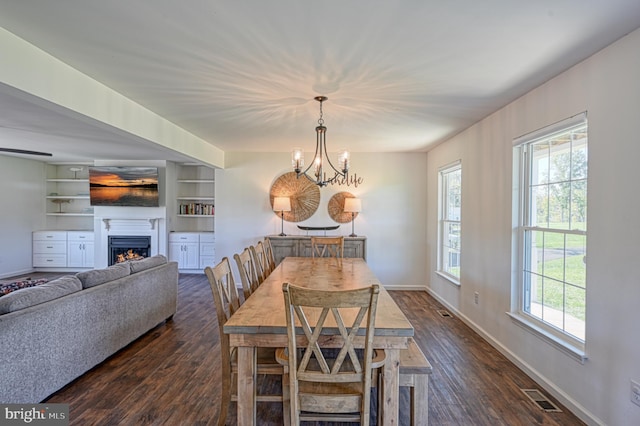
(134, 228)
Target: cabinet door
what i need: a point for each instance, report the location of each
(283, 247)
(89, 250)
(353, 249)
(175, 253)
(191, 258)
(80, 254)
(75, 254)
(186, 254)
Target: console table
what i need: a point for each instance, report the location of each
(300, 246)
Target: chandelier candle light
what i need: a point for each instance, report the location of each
(282, 204)
(321, 157)
(353, 206)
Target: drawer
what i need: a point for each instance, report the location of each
(43, 260)
(183, 237)
(50, 235)
(207, 237)
(207, 249)
(50, 247)
(80, 236)
(207, 261)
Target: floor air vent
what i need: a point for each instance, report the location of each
(541, 400)
(444, 313)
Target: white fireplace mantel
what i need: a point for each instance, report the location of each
(128, 223)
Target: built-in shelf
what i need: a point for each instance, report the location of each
(196, 181)
(71, 214)
(67, 195)
(68, 180)
(197, 198)
(195, 195)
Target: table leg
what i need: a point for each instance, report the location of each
(391, 387)
(246, 385)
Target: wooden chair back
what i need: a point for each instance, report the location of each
(225, 297)
(330, 383)
(328, 247)
(260, 261)
(225, 293)
(247, 270)
(268, 250)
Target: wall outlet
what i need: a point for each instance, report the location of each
(476, 297)
(635, 392)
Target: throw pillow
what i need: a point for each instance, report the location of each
(9, 286)
(100, 276)
(27, 297)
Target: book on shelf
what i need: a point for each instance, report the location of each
(196, 209)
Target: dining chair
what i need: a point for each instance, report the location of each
(227, 302)
(329, 384)
(260, 261)
(328, 247)
(268, 250)
(247, 270)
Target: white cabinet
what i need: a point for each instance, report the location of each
(192, 250)
(50, 249)
(63, 249)
(207, 249)
(184, 248)
(80, 249)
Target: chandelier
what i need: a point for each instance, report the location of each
(321, 162)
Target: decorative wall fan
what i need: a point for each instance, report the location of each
(25, 151)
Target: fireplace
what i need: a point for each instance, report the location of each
(128, 247)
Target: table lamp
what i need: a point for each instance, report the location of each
(282, 204)
(353, 206)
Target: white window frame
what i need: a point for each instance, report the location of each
(560, 337)
(444, 219)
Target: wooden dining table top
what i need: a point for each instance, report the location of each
(263, 312)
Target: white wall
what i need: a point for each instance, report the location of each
(22, 192)
(607, 86)
(393, 196)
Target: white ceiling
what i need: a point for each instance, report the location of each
(400, 75)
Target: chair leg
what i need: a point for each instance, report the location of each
(225, 398)
(286, 400)
(380, 396)
(420, 400)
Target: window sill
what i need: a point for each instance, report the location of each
(451, 279)
(573, 351)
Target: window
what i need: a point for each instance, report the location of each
(553, 229)
(450, 181)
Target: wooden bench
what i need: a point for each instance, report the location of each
(414, 373)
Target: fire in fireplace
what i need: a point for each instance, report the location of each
(127, 247)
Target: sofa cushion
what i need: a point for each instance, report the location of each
(23, 298)
(147, 263)
(100, 276)
(7, 287)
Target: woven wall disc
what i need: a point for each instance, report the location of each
(304, 196)
(336, 207)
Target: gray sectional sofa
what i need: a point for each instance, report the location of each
(55, 332)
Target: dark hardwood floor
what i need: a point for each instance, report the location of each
(171, 375)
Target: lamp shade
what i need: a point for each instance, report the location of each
(352, 205)
(281, 204)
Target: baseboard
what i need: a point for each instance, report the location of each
(550, 387)
(406, 287)
(17, 273)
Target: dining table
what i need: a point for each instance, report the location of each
(261, 322)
